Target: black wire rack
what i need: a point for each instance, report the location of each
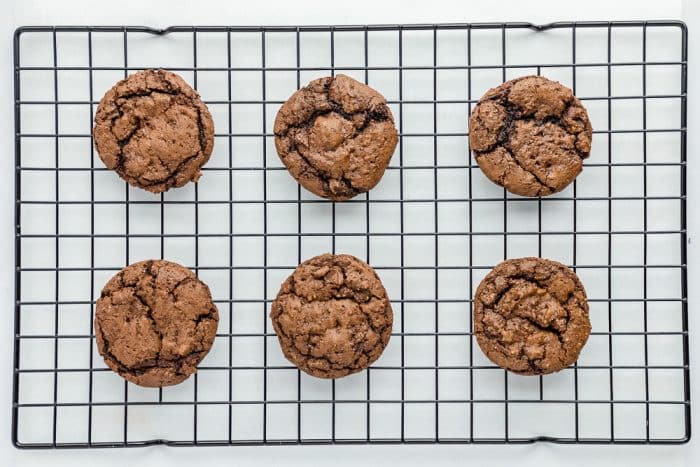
(432, 228)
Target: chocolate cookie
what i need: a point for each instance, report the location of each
(336, 137)
(154, 322)
(332, 316)
(530, 135)
(154, 131)
(531, 316)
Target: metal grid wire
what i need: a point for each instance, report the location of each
(432, 228)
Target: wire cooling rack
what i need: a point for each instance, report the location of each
(432, 228)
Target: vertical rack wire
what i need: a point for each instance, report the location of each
(471, 245)
(263, 45)
(57, 240)
(609, 234)
(506, 431)
(196, 238)
(645, 226)
(92, 242)
(297, 38)
(403, 272)
(573, 223)
(365, 53)
(126, 240)
(333, 234)
(230, 239)
(435, 237)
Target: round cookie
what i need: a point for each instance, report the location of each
(336, 137)
(531, 316)
(530, 135)
(332, 316)
(154, 131)
(154, 322)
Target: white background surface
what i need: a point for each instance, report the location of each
(164, 13)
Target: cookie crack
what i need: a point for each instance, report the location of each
(160, 362)
(141, 369)
(377, 113)
(549, 329)
(149, 311)
(202, 133)
(537, 177)
(169, 180)
(364, 291)
(138, 370)
(514, 113)
(208, 315)
(311, 169)
(149, 315)
(290, 345)
(107, 353)
(120, 112)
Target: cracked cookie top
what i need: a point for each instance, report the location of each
(154, 322)
(531, 316)
(336, 137)
(332, 316)
(154, 131)
(530, 135)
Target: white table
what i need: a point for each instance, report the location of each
(164, 13)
